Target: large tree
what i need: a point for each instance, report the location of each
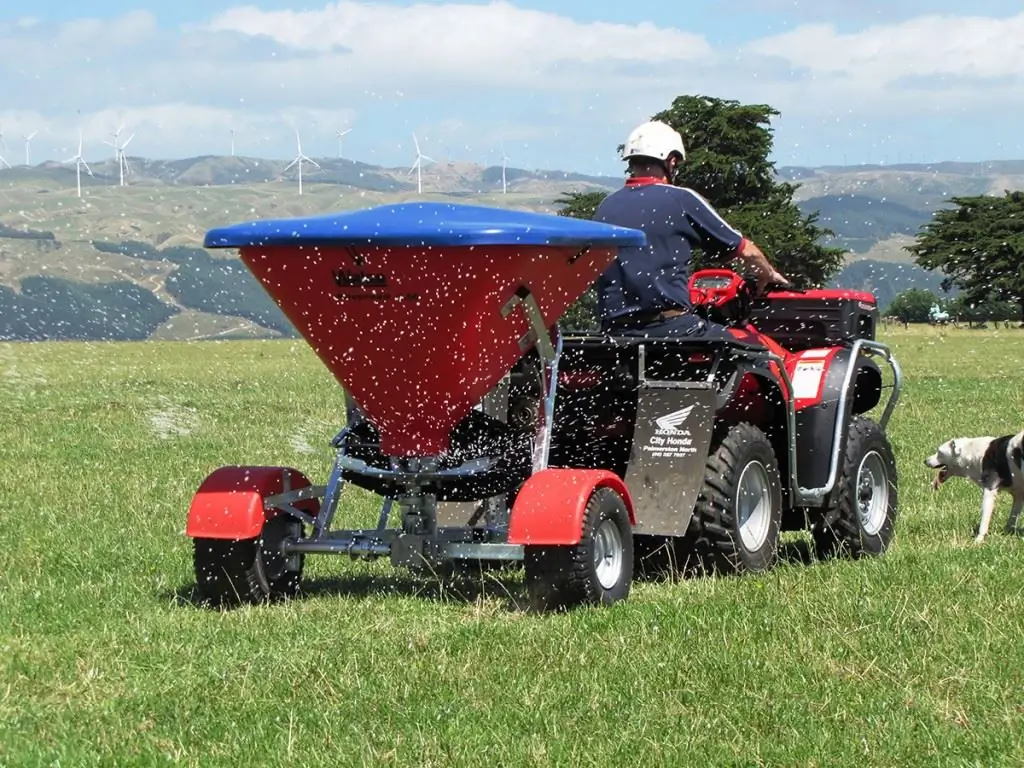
(912, 305)
(979, 247)
(728, 145)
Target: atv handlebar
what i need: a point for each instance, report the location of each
(787, 286)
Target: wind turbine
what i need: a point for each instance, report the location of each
(122, 161)
(232, 142)
(79, 161)
(418, 165)
(28, 141)
(504, 165)
(341, 135)
(299, 157)
(3, 148)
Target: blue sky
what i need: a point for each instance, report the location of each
(556, 84)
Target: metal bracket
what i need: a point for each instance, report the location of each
(538, 333)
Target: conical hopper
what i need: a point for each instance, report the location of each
(404, 303)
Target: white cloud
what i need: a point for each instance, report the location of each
(476, 75)
(928, 46)
(450, 38)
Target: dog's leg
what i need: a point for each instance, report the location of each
(988, 504)
(1015, 510)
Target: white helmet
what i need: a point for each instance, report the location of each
(654, 139)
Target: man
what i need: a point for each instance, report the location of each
(646, 289)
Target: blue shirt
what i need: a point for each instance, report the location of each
(656, 277)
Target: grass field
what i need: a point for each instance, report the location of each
(912, 659)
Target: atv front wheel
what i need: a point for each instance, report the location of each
(738, 515)
(596, 571)
(862, 519)
(249, 570)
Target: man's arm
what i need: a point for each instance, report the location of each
(724, 239)
(753, 258)
(716, 234)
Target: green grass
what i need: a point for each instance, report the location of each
(911, 659)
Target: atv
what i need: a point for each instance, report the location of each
(493, 438)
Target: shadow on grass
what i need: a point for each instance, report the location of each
(657, 564)
(499, 589)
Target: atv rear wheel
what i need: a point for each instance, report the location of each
(738, 515)
(596, 571)
(249, 570)
(862, 519)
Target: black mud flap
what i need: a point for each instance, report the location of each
(670, 448)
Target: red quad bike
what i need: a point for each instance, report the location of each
(493, 439)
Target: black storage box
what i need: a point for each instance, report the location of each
(818, 318)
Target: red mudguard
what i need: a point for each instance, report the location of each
(549, 508)
(229, 503)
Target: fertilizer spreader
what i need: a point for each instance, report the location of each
(491, 437)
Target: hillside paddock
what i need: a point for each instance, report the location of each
(911, 659)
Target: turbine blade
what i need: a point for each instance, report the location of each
(129, 141)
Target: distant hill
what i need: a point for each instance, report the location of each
(886, 279)
(216, 170)
(127, 262)
(861, 222)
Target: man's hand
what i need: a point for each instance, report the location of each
(758, 263)
(771, 277)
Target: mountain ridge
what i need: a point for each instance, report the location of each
(135, 251)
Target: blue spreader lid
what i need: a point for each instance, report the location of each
(428, 223)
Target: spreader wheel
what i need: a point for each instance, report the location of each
(596, 571)
(249, 570)
(862, 519)
(738, 515)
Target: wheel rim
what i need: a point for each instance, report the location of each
(608, 554)
(754, 505)
(872, 493)
(275, 563)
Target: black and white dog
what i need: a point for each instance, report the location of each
(993, 463)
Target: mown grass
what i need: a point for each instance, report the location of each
(912, 659)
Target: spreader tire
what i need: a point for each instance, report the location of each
(249, 570)
(596, 571)
(862, 519)
(738, 515)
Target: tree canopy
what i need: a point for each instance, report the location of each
(912, 305)
(979, 246)
(728, 145)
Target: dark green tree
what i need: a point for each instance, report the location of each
(995, 311)
(728, 146)
(912, 305)
(979, 246)
(580, 205)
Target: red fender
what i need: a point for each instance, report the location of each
(549, 508)
(229, 503)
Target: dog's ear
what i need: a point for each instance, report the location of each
(954, 449)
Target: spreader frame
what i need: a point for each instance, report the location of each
(424, 542)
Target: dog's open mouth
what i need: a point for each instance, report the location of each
(940, 478)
